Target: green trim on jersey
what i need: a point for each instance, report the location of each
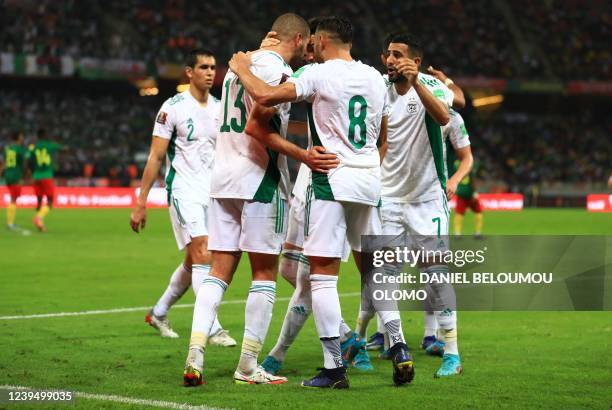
(320, 184)
(279, 57)
(307, 209)
(269, 183)
(172, 172)
(280, 214)
(434, 133)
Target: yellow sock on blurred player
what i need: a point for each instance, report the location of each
(478, 223)
(458, 223)
(43, 211)
(11, 211)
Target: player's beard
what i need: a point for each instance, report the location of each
(398, 78)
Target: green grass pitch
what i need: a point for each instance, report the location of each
(90, 260)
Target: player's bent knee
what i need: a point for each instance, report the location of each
(198, 250)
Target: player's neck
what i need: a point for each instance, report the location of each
(337, 54)
(402, 87)
(282, 50)
(201, 96)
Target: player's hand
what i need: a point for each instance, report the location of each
(451, 188)
(320, 161)
(437, 73)
(408, 68)
(610, 182)
(138, 218)
(270, 40)
(240, 61)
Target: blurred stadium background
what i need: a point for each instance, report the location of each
(538, 76)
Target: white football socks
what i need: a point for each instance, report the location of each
(198, 274)
(257, 318)
(208, 299)
(430, 324)
(298, 312)
(288, 266)
(179, 283)
(363, 319)
(327, 314)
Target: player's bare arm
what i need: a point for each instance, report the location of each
(159, 147)
(315, 158)
(382, 143)
(465, 166)
(436, 108)
(458, 96)
(261, 92)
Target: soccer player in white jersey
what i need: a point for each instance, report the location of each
(185, 133)
(294, 266)
(250, 188)
(346, 103)
(415, 200)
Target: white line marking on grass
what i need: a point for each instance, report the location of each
(138, 309)
(120, 399)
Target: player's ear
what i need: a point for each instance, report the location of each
(188, 72)
(418, 60)
(383, 59)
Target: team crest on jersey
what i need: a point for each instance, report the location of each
(412, 107)
(161, 118)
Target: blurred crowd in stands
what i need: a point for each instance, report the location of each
(101, 135)
(108, 137)
(562, 39)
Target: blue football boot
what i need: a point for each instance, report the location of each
(328, 379)
(350, 348)
(451, 366)
(403, 365)
(362, 361)
(376, 342)
(271, 365)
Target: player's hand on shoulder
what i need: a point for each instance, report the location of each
(270, 40)
(437, 73)
(408, 68)
(138, 218)
(320, 161)
(240, 61)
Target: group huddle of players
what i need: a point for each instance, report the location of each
(376, 164)
(35, 162)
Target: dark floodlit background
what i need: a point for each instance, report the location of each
(537, 73)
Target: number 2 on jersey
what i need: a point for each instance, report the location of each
(357, 120)
(234, 125)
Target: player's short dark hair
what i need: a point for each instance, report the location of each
(288, 24)
(338, 27)
(313, 23)
(415, 46)
(192, 57)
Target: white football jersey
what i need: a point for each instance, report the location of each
(455, 135)
(244, 167)
(413, 169)
(192, 131)
(346, 103)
